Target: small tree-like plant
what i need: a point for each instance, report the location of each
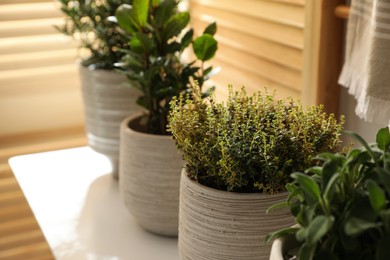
(154, 59)
(89, 23)
(250, 143)
(342, 207)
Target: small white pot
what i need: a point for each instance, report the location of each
(284, 247)
(108, 99)
(221, 225)
(149, 178)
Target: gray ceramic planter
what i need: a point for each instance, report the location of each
(149, 178)
(221, 225)
(108, 99)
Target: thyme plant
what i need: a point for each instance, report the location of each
(88, 22)
(159, 36)
(342, 207)
(250, 143)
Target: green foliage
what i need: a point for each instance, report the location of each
(349, 215)
(154, 58)
(250, 143)
(91, 23)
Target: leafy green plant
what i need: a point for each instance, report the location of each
(343, 208)
(154, 59)
(89, 23)
(249, 143)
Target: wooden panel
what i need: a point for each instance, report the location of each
(20, 235)
(51, 111)
(39, 59)
(265, 69)
(330, 56)
(260, 43)
(19, 238)
(13, 211)
(10, 198)
(252, 45)
(35, 43)
(34, 81)
(4, 2)
(28, 11)
(40, 98)
(5, 170)
(278, 33)
(292, 2)
(322, 54)
(29, 27)
(231, 75)
(6, 185)
(310, 52)
(37, 250)
(276, 12)
(276, 53)
(17, 225)
(39, 84)
(17, 144)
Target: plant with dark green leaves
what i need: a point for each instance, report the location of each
(250, 143)
(158, 38)
(343, 208)
(90, 23)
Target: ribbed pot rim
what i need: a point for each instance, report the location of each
(229, 194)
(128, 130)
(106, 71)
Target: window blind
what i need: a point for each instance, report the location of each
(39, 85)
(260, 43)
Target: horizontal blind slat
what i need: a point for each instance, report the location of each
(281, 34)
(7, 2)
(29, 11)
(267, 10)
(39, 250)
(49, 110)
(29, 81)
(260, 43)
(21, 238)
(231, 75)
(278, 53)
(265, 69)
(35, 43)
(292, 2)
(39, 83)
(41, 98)
(40, 87)
(37, 59)
(29, 27)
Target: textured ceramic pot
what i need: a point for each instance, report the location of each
(149, 178)
(221, 225)
(108, 99)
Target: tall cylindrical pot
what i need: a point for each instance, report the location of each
(221, 225)
(108, 99)
(149, 178)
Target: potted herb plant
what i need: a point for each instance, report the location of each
(150, 165)
(342, 207)
(106, 95)
(239, 156)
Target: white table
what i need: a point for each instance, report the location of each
(78, 207)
